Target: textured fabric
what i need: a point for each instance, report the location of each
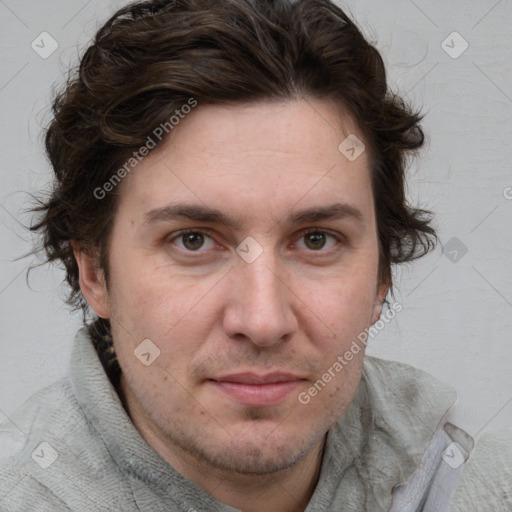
(103, 464)
(486, 482)
(431, 487)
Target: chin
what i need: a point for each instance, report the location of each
(253, 451)
(253, 459)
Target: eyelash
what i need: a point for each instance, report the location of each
(340, 239)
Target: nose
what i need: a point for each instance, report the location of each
(260, 304)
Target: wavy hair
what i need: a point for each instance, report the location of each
(150, 57)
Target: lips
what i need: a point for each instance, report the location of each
(253, 378)
(257, 390)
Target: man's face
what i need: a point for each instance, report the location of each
(241, 339)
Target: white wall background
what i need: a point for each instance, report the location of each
(457, 318)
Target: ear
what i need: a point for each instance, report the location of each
(380, 296)
(92, 280)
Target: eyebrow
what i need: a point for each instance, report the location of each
(201, 213)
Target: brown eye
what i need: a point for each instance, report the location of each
(193, 241)
(315, 240)
(319, 241)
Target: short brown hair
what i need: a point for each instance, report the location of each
(151, 57)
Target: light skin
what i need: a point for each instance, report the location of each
(294, 309)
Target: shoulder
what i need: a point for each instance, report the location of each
(50, 455)
(25, 440)
(395, 428)
(486, 480)
(404, 386)
(45, 410)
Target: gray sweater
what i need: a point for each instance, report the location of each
(72, 447)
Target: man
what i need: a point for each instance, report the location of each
(229, 200)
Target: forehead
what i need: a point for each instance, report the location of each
(306, 127)
(246, 155)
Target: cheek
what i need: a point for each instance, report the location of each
(347, 304)
(176, 316)
(153, 298)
